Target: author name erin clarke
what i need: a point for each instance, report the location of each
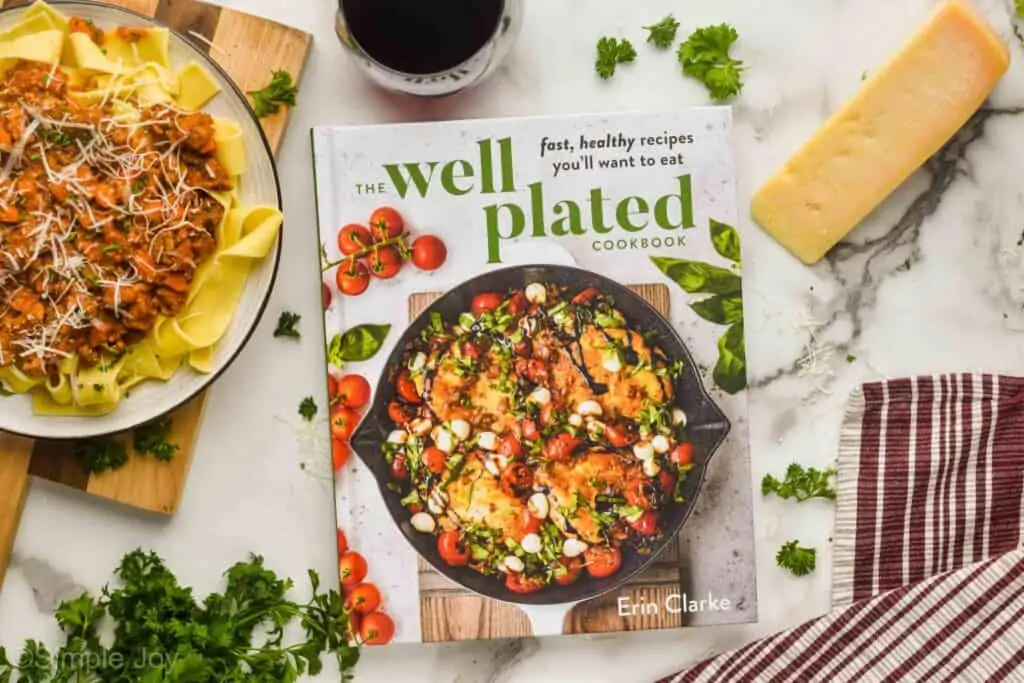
(676, 603)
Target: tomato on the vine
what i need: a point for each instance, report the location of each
(325, 295)
(385, 223)
(452, 549)
(353, 391)
(376, 628)
(428, 252)
(385, 262)
(339, 453)
(342, 542)
(343, 423)
(352, 568)
(353, 238)
(364, 598)
(353, 277)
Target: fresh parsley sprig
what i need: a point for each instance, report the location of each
(610, 53)
(663, 33)
(801, 484)
(288, 325)
(151, 439)
(281, 91)
(705, 56)
(308, 409)
(161, 632)
(796, 559)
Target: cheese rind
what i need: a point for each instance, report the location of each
(901, 116)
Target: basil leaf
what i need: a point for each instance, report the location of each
(358, 344)
(699, 278)
(726, 240)
(719, 309)
(731, 370)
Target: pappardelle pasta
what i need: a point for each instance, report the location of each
(124, 251)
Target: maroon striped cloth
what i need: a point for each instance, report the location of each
(928, 579)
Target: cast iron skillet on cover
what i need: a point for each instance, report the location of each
(707, 427)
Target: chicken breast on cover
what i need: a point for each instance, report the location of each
(573, 488)
(476, 497)
(461, 390)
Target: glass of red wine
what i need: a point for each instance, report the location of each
(428, 47)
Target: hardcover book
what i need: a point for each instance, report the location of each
(537, 372)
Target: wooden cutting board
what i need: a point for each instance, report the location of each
(248, 48)
(450, 612)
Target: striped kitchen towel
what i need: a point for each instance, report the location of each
(931, 474)
(928, 579)
(957, 627)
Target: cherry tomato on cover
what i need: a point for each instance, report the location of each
(485, 303)
(343, 423)
(376, 628)
(325, 295)
(602, 561)
(398, 413)
(353, 238)
(619, 435)
(386, 223)
(353, 391)
(560, 447)
(364, 598)
(435, 459)
(351, 568)
(428, 252)
(517, 304)
(523, 584)
(400, 467)
(516, 480)
(586, 296)
(452, 549)
(573, 568)
(385, 263)
(531, 524)
(339, 454)
(667, 481)
(353, 277)
(406, 388)
(682, 454)
(530, 430)
(510, 447)
(342, 543)
(647, 524)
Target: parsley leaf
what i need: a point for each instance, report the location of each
(287, 325)
(151, 439)
(101, 455)
(705, 56)
(663, 34)
(308, 409)
(801, 484)
(610, 53)
(281, 91)
(798, 560)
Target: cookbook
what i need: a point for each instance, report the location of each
(537, 373)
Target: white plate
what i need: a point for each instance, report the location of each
(259, 185)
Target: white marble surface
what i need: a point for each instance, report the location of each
(931, 282)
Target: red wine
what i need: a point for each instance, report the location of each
(420, 37)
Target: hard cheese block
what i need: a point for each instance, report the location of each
(901, 116)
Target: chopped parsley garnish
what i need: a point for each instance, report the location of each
(610, 53)
(308, 409)
(287, 325)
(705, 56)
(850, 358)
(139, 185)
(113, 246)
(798, 560)
(662, 34)
(101, 455)
(281, 91)
(801, 484)
(151, 439)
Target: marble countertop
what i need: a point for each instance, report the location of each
(931, 282)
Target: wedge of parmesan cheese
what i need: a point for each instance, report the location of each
(901, 116)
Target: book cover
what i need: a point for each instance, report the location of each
(536, 358)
